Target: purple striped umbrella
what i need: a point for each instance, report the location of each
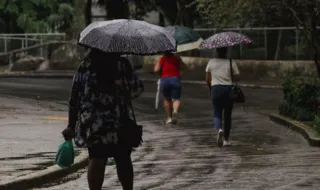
(225, 39)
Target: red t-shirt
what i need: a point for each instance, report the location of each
(170, 66)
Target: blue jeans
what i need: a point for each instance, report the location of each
(222, 104)
(171, 87)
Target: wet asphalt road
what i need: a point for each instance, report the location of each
(28, 141)
(263, 156)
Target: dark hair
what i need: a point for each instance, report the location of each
(168, 53)
(105, 66)
(101, 60)
(222, 52)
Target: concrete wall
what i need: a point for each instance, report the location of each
(249, 69)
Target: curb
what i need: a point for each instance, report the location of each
(39, 178)
(36, 75)
(66, 75)
(203, 83)
(306, 131)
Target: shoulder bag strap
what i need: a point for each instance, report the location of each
(127, 98)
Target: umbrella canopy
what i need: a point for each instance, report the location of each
(225, 39)
(127, 37)
(187, 38)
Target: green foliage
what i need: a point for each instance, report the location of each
(302, 91)
(301, 98)
(298, 113)
(175, 12)
(221, 13)
(316, 123)
(35, 15)
(243, 13)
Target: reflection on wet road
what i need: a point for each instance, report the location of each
(263, 156)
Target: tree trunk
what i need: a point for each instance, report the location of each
(179, 14)
(88, 13)
(183, 17)
(276, 55)
(163, 13)
(161, 20)
(117, 9)
(315, 44)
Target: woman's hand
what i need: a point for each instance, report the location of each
(68, 133)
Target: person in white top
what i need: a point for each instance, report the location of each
(219, 81)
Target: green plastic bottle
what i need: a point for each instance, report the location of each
(65, 154)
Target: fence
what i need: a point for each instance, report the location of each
(271, 43)
(10, 42)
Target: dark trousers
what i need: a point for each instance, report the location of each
(222, 106)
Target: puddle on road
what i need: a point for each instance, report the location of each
(28, 156)
(38, 166)
(65, 179)
(48, 156)
(7, 108)
(35, 155)
(260, 140)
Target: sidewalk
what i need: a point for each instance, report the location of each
(29, 139)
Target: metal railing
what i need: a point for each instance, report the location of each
(270, 43)
(9, 42)
(12, 56)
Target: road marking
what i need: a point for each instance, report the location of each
(56, 118)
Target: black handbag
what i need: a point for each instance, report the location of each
(236, 93)
(131, 133)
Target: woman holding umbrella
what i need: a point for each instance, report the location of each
(103, 86)
(219, 81)
(170, 67)
(221, 74)
(92, 110)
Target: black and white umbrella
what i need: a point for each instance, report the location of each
(127, 37)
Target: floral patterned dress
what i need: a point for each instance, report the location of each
(95, 113)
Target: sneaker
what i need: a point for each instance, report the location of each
(169, 121)
(175, 117)
(220, 138)
(226, 143)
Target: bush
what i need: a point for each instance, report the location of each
(302, 114)
(28, 63)
(301, 98)
(302, 92)
(316, 123)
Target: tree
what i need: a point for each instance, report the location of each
(247, 13)
(306, 17)
(87, 12)
(242, 13)
(115, 9)
(18, 16)
(259, 13)
(177, 12)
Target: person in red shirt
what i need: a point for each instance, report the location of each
(170, 67)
